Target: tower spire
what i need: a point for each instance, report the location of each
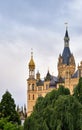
(66, 25)
(31, 66)
(66, 38)
(31, 53)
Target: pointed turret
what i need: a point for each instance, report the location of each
(66, 52)
(48, 76)
(66, 62)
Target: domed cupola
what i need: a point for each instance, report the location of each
(31, 63)
(31, 67)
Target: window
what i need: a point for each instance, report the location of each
(33, 87)
(33, 96)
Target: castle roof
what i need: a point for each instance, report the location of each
(66, 55)
(40, 83)
(53, 82)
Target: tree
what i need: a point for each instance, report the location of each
(3, 121)
(30, 124)
(54, 112)
(44, 126)
(67, 114)
(10, 126)
(63, 91)
(7, 108)
(78, 91)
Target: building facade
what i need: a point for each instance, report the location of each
(68, 76)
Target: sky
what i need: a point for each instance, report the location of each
(37, 24)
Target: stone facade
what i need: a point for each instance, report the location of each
(67, 76)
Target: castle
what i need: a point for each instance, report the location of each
(68, 76)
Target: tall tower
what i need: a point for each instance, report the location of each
(31, 84)
(66, 62)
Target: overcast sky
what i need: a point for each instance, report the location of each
(37, 24)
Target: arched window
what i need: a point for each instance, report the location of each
(33, 96)
(33, 87)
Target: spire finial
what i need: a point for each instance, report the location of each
(66, 24)
(31, 52)
(48, 68)
(66, 38)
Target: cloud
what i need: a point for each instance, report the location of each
(38, 25)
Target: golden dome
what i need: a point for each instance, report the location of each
(31, 63)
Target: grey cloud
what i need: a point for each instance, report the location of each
(38, 25)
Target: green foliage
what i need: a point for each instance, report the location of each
(78, 91)
(67, 111)
(44, 126)
(63, 91)
(10, 126)
(3, 121)
(30, 124)
(58, 110)
(7, 108)
(6, 125)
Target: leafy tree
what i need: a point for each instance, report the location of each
(78, 91)
(63, 91)
(10, 126)
(67, 114)
(44, 126)
(30, 124)
(7, 108)
(51, 111)
(3, 121)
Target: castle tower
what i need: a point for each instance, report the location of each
(31, 83)
(66, 62)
